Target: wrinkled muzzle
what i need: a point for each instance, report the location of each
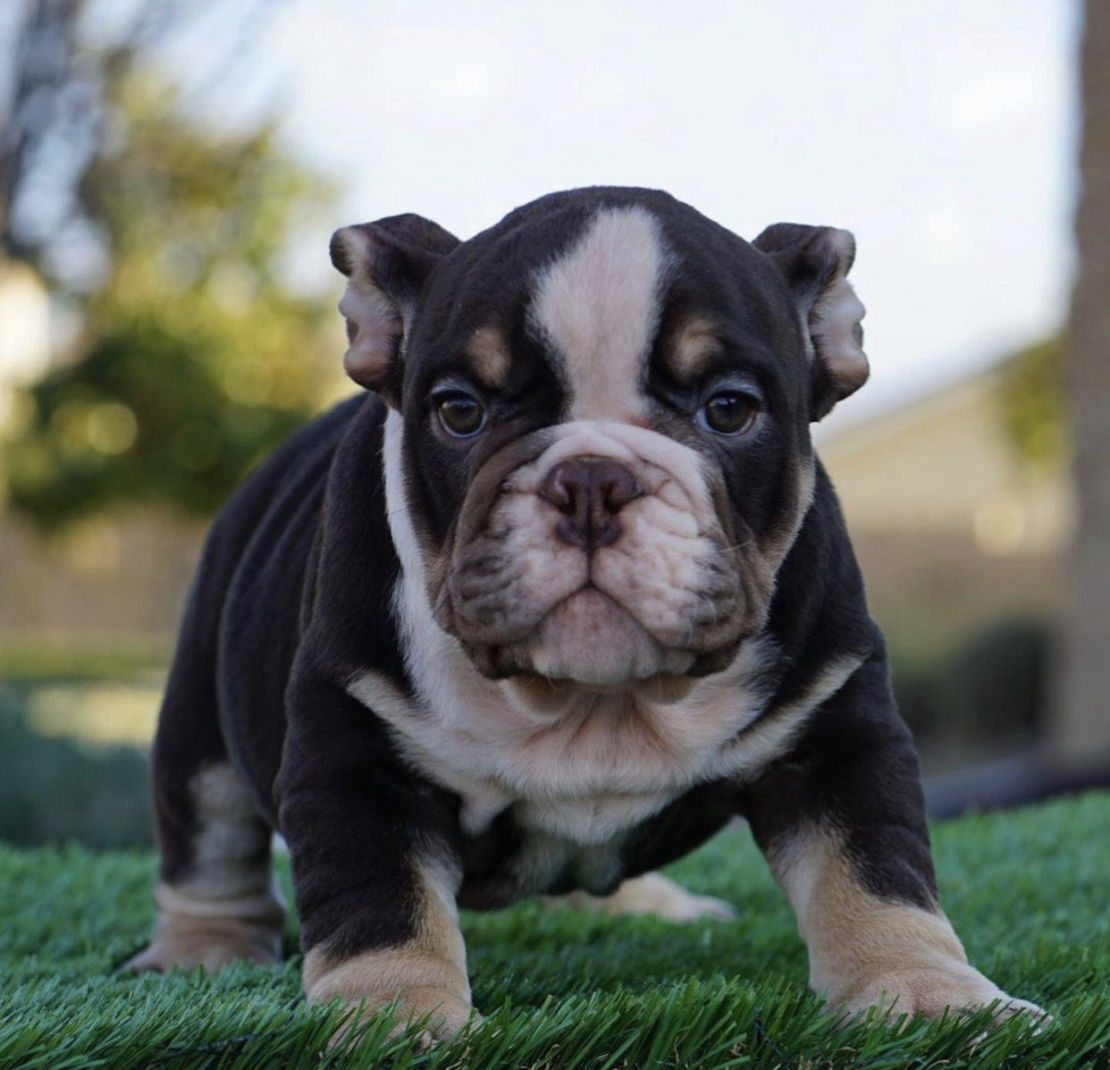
(600, 553)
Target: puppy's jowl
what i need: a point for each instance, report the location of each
(556, 598)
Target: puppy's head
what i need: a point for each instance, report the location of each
(602, 410)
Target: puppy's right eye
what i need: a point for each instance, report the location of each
(460, 415)
(729, 412)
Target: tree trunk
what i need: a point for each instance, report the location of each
(1081, 722)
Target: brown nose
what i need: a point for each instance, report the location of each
(589, 492)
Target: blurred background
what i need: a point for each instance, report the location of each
(171, 170)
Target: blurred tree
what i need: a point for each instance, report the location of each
(66, 58)
(1035, 405)
(192, 356)
(1082, 723)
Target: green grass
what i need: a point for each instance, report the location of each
(1028, 891)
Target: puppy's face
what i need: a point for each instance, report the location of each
(606, 456)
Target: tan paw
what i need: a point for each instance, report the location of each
(931, 991)
(654, 894)
(444, 1014)
(193, 930)
(410, 983)
(208, 946)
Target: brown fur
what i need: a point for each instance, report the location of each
(427, 975)
(695, 344)
(489, 357)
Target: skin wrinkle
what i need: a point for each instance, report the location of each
(675, 528)
(600, 304)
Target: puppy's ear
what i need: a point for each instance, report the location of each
(386, 264)
(815, 261)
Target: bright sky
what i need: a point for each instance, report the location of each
(941, 133)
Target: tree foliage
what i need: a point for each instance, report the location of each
(193, 357)
(1034, 405)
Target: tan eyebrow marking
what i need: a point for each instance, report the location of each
(488, 354)
(695, 343)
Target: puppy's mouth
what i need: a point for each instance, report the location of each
(589, 638)
(588, 641)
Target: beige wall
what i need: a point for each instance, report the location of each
(125, 576)
(952, 531)
(943, 466)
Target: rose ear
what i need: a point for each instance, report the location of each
(816, 261)
(386, 264)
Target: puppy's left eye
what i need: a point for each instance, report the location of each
(728, 412)
(460, 414)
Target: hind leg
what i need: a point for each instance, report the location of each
(216, 898)
(654, 894)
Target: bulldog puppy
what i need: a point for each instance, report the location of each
(563, 592)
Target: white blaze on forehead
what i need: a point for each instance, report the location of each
(599, 306)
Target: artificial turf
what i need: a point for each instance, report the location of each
(1029, 892)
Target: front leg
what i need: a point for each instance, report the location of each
(841, 820)
(375, 870)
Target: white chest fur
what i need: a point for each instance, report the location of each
(577, 782)
(584, 772)
(602, 764)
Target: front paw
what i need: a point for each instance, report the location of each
(929, 990)
(442, 1013)
(413, 986)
